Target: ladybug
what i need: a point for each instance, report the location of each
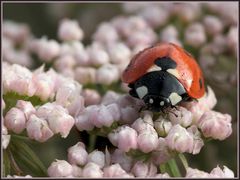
(163, 76)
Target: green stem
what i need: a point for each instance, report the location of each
(14, 165)
(183, 160)
(163, 168)
(92, 142)
(174, 168)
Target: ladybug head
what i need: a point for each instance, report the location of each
(159, 90)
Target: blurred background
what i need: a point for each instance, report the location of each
(219, 65)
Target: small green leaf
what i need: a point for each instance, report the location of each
(174, 168)
(6, 164)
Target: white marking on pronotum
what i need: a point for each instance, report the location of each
(154, 68)
(142, 91)
(175, 98)
(150, 100)
(161, 103)
(173, 72)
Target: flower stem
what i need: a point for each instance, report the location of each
(174, 168)
(183, 160)
(92, 142)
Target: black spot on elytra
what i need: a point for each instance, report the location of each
(166, 63)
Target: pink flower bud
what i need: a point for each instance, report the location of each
(60, 122)
(101, 35)
(97, 157)
(18, 79)
(107, 74)
(160, 176)
(169, 32)
(197, 140)
(179, 139)
(216, 125)
(92, 170)
(64, 62)
(97, 55)
(44, 85)
(161, 154)
(26, 107)
(82, 119)
(180, 116)
(69, 30)
(147, 141)
(77, 154)
(114, 111)
(219, 173)
(18, 32)
(195, 173)
(213, 24)
(141, 126)
(5, 137)
(15, 120)
(119, 53)
(128, 115)
(77, 171)
(85, 75)
(47, 50)
(44, 110)
(162, 126)
(151, 14)
(91, 97)
(114, 170)
(232, 40)
(38, 129)
(120, 157)
(126, 138)
(68, 96)
(82, 57)
(110, 97)
(195, 35)
(100, 116)
(141, 169)
(60, 168)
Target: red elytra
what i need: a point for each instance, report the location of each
(190, 74)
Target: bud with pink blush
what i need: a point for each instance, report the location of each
(60, 168)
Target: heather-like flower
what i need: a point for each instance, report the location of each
(162, 153)
(91, 97)
(77, 154)
(141, 169)
(82, 119)
(97, 55)
(97, 157)
(17, 32)
(219, 173)
(85, 75)
(69, 30)
(38, 129)
(18, 79)
(120, 157)
(148, 141)
(195, 35)
(47, 50)
(213, 24)
(64, 62)
(57, 117)
(60, 168)
(110, 97)
(26, 107)
(216, 125)
(179, 139)
(162, 126)
(77, 171)
(15, 120)
(115, 170)
(152, 13)
(180, 116)
(124, 137)
(92, 170)
(197, 140)
(5, 137)
(195, 173)
(232, 37)
(101, 35)
(107, 74)
(119, 53)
